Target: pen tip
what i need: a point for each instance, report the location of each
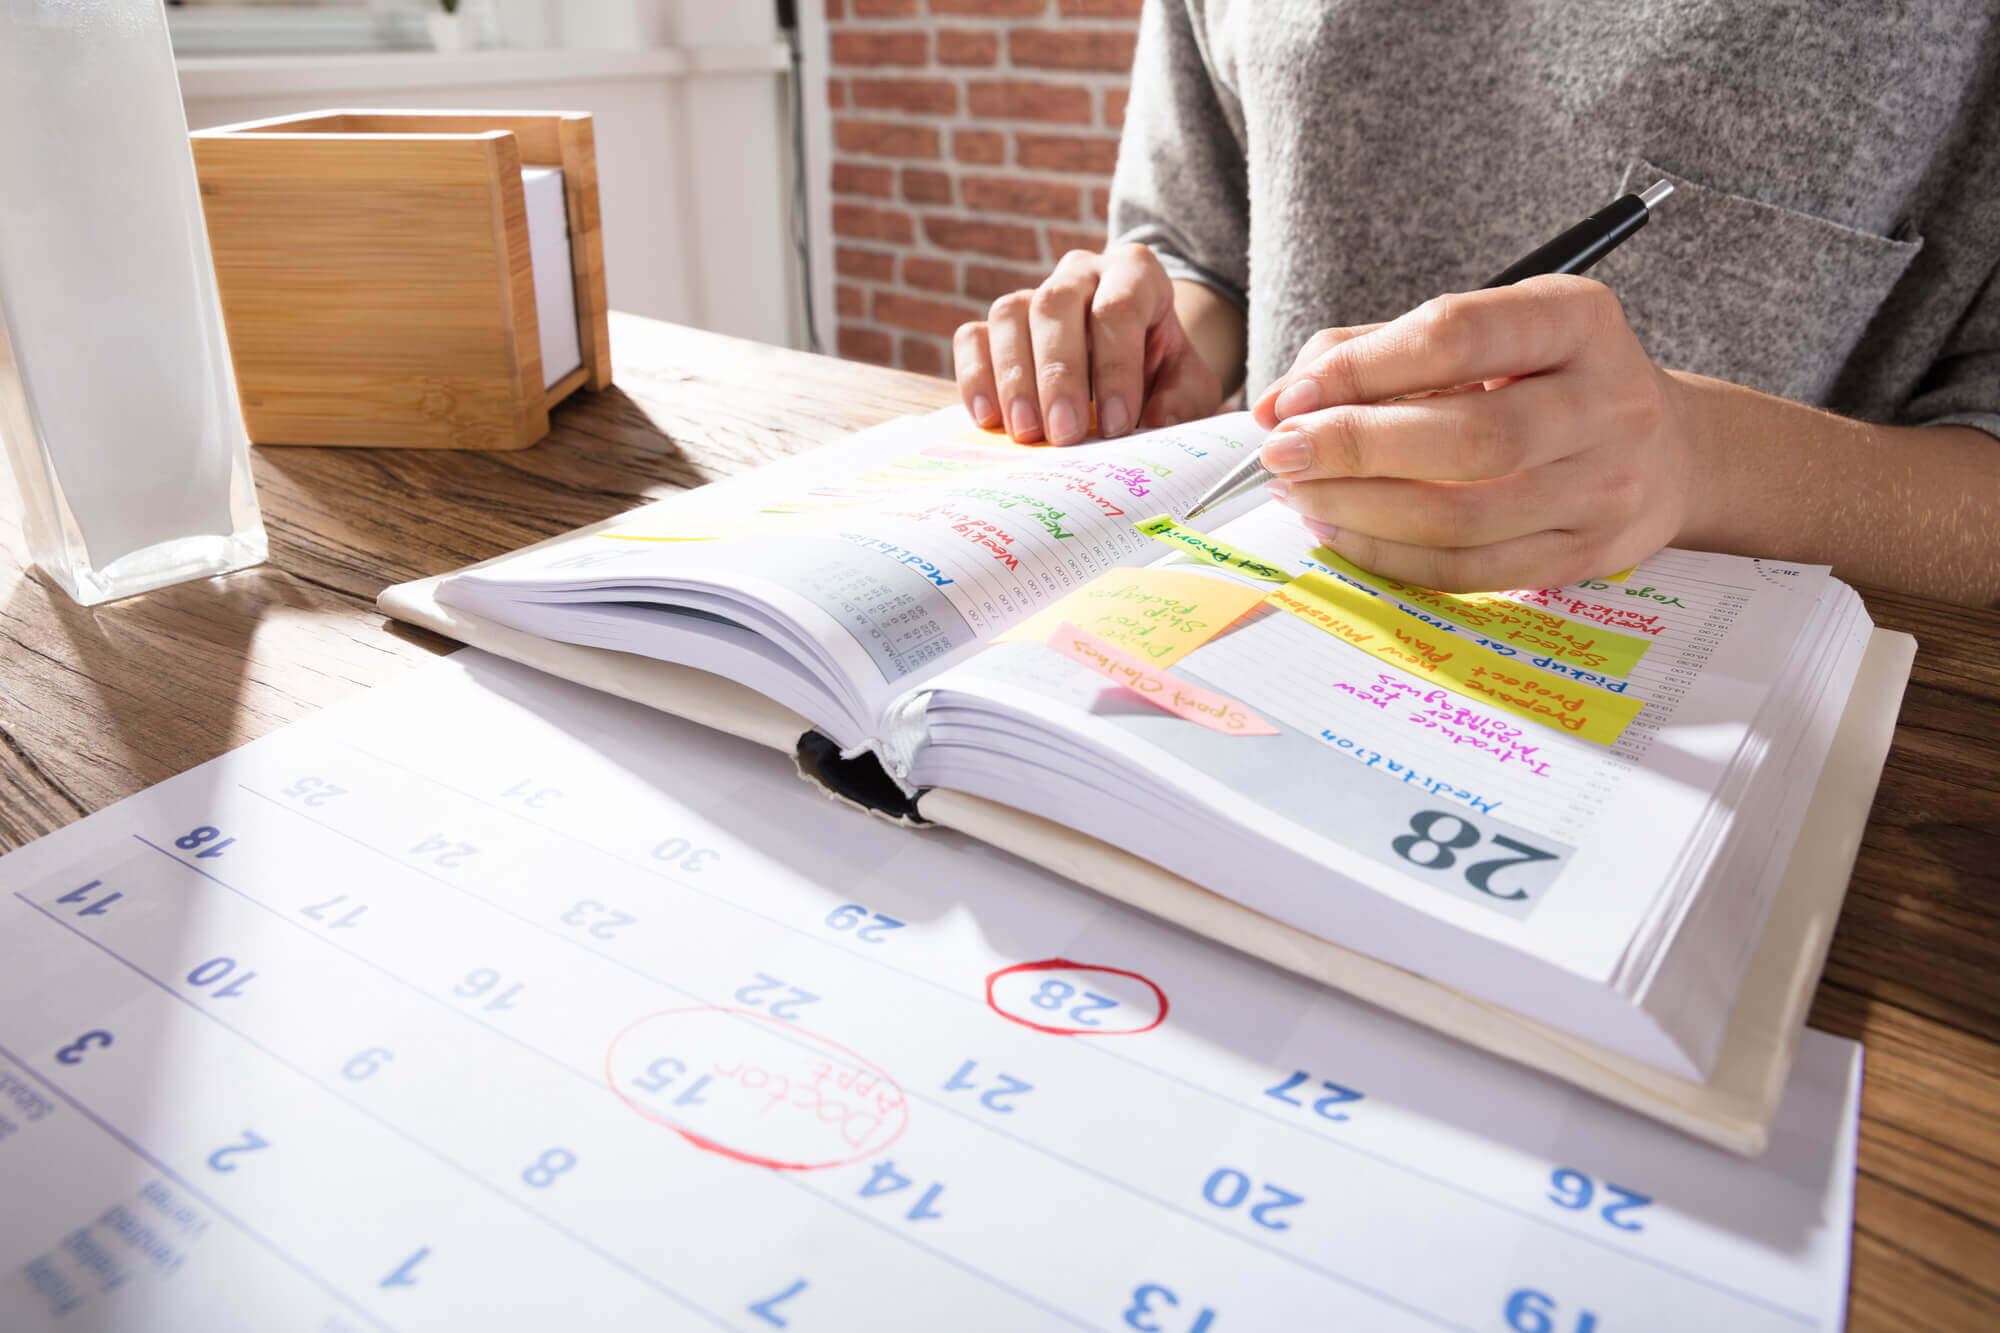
(1654, 193)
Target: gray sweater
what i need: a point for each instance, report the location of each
(1834, 233)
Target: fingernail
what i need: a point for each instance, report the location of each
(1278, 490)
(1326, 532)
(1064, 423)
(1287, 451)
(1113, 417)
(983, 410)
(1022, 419)
(1300, 396)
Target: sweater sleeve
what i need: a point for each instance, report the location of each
(1181, 186)
(1962, 387)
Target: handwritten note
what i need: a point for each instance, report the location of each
(1201, 707)
(1206, 548)
(1442, 658)
(1158, 615)
(1502, 618)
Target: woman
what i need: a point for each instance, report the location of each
(1799, 357)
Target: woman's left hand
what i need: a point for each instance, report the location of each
(1509, 438)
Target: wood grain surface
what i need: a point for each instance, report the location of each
(97, 704)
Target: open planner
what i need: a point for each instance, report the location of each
(1559, 823)
(484, 1000)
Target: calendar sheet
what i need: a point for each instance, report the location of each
(485, 1001)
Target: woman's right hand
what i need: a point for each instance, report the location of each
(1101, 328)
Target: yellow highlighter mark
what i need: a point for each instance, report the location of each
(1509, 621)
(1157, 615)
(1207, 549)
(1402, 640)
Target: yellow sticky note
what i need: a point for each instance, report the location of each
(1404, 641)
(1621, 576)
(1538, 631)
(1204, 547)
(1157, 615)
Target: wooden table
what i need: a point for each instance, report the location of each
(97, 704)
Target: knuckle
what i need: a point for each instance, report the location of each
(1487, 445)
(1337, 446)
(1446, 325)
(1115, 305)
(1015, 380)
(1447, 518)
(1079, 259)
(1052, 298)
(1641, 415)
(1010, 306)
(1458, 571)
(1622, 495)
(967, 338)
(1137, 253)
(1338, 375)
(1053, 376)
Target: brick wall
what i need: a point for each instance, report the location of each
(973, 145)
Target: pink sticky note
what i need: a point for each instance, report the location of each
(1201, 707)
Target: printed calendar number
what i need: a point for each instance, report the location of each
(1437, 838)
(873, 926)
(479, 984)
(528, 794)
(1228, 1189)
(884, 1178)
(542, 1172)
(663, 1073)
(367, 1064)
(1531, 1311)
(73, 1053)
(785, 1005)
(334, 913)
(442, 852)
(405, 1273)
(684, 855)
(203, 841)
(1074, 999)
(312, 791)
(1572, 1189)
(599, 921)
(757, 1089)
(767, 1309)
(1323, 1099)
(1150, 1299)
(220, 978)
(998, 1093)
(87, 901)
(223, 1159)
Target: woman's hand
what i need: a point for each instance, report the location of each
(1101, 327)
(1508, 438)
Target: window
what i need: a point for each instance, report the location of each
(274, 27)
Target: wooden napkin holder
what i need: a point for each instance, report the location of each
(376, 279)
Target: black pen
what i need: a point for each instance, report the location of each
(1572, 252)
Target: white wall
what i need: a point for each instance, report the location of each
(692, 149)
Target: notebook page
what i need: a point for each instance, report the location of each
(1411, 789)
(476, 997)
(896, 556)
